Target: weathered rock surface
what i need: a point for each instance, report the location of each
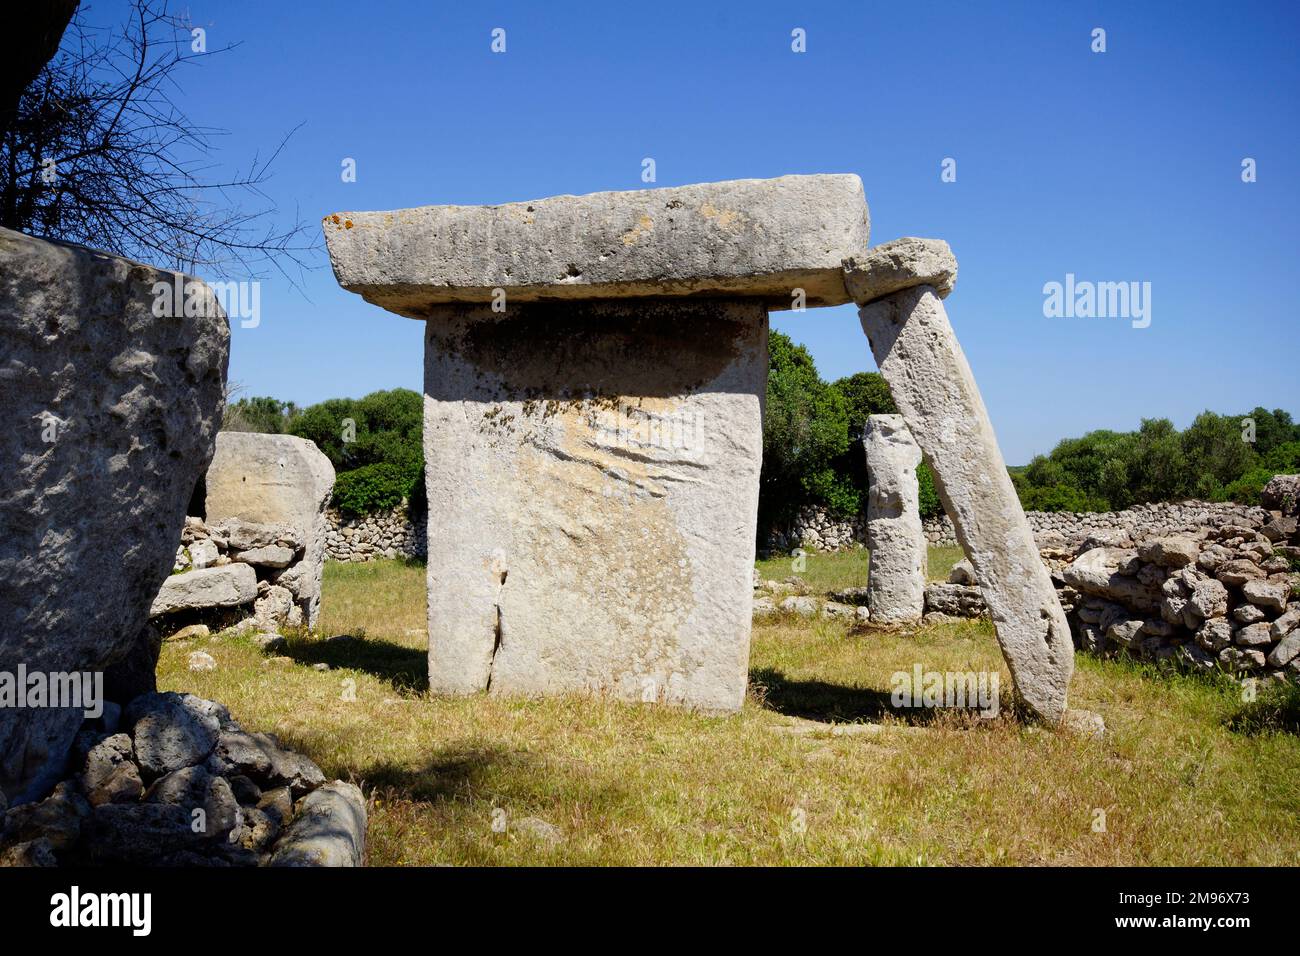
(273, 480)
(749, 238)
(227, 586)
(900, 264)
(329, 830)
(171, 731)
(955, 600)
(1282, 493)
(112, 411)
(592, 477)
(898, 547)
(206, 805)
(931, 382)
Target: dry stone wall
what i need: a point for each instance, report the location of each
(386, 534)
(814, 529)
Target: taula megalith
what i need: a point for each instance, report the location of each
(895, 537)
(594, 376)
(899, 286)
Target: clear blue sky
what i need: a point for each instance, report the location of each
(1120, 166)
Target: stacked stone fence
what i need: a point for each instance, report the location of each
(813, 528)
(395, 533)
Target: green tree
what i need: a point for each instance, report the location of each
(805, 429)
(375, 444)
(259, 414)
(1216, 454)
(865, 393)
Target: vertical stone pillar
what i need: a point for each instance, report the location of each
(896, 584)
(899, 286)
(592, 474)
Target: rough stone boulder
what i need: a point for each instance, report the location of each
(1282, 493)
(260, 479)
(1110, 573)
(900, 264)
(748, 238)
(112, 411)
(227, 586)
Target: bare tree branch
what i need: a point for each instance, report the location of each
(99, 152)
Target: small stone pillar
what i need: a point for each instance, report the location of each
(896, 584)
(899, 286)
(595, 368)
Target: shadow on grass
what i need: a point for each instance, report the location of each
(1274, 709)
(405, 668)
(831, 703)
(468, 772)
(457, 772)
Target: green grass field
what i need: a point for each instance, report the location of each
(818, 768)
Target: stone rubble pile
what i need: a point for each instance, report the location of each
(173, 780)
(231, 571)
(385, 534)
(1223, 596)
(1209, 587)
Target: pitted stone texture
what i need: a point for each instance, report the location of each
(744, 238)
(269, 480)
(227, 586)
(592, 475)
(931, 382)
(901, 264)
(89, 521)
(894, 535)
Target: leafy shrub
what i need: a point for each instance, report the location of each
(374, 487)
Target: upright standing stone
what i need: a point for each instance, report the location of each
(112, 397)
(595, 368)
(894, 534)
(592, 476)
(932, 384)
(276, 480)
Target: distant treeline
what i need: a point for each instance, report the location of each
(811, 452)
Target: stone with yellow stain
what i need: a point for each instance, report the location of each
(592, 475)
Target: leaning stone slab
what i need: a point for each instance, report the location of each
(273, 480)
(227, 586)
(749, 238)
(592, 475)
(896, 576)
(931, 382)
(110, 411)
(901, 264)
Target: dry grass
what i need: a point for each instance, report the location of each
(635, 784)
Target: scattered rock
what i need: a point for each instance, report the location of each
(329, 829)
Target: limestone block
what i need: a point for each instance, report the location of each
(931, 382)
(227, 586)
(592, 476)
(901, 264)
(744, 238)
(897, 571)
(111, 412)
(274, 479)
